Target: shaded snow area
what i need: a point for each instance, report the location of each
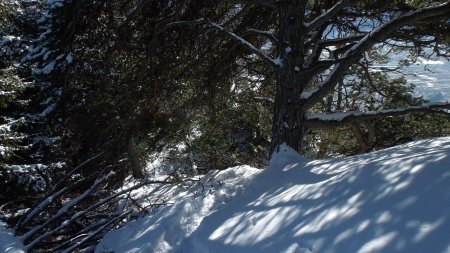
(9, 243)
(393, 200)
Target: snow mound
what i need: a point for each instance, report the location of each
(394, 200)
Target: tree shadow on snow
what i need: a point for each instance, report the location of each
(395, 200)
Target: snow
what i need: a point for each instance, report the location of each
(392, 200)
(55, 3)
(69, 58)
(8, 39)
(46, 70)
(48, 110)
(430, 76)
(430, 62)
(278, 62)
(9, 243)
(338, 116)
(307, 94)
(379, 202)
(164, 231)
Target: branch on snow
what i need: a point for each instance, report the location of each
(330, 120)
(97, 231)
(84, 212)
(381, 33)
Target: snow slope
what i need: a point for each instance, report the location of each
(394, 200)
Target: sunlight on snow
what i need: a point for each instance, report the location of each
(377, 243)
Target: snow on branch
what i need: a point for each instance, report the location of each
(326, 120)
(322, 19)
(54, 194)
(62, 211)
(36, 210)
(381, 33)
(82, 213)
(94, 233)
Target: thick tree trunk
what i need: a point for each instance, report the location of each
(289, 115)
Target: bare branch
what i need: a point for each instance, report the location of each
(244, 43)
(341, 41)
(270, 3)
(317, 47)
(32, 212)
(369, 79)
(321, 65)
(330, 120)
(68, 175)
(381, 33)
(181, 23)
(267, 34)
(230, 35)
(322, 19)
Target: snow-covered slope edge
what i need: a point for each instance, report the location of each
(394, 200)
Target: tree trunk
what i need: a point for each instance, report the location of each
(289, 115)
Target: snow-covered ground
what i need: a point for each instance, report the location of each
(393, 200)
(168, 228)
(9, 243)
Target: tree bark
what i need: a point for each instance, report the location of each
(289, 116)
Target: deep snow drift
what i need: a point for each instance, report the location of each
(393, 200)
